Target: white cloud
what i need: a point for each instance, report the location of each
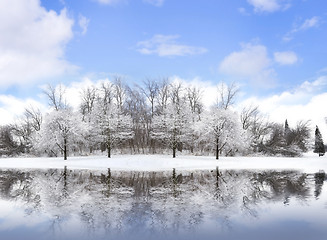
(307, 24)
(251, 63)
(12, 107)
(83, 22)
(243, 11)
(264, 5)
(312, 87)
(302, 103)
(157, 3)
(166, 45)
(285, 58)
(269, 5)
(32, 42)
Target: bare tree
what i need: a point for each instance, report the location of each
(33, 116)
(226, 95)
(56, 96)
(163, 95)
(300, 135)
(137, 108)
(176, 93)
(7, 144)
(194, 95)
(248, 116)
(105, 96)
(88, 98)
(25, 128)
(150, 91)
(119, 92)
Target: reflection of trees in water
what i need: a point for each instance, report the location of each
(283, 185)
(319, 177)
(151, 203)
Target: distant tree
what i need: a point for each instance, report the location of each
(248, 116)
(24, 130)
(120, 90)
(162, 95)
(88, 98)
(137, 108)
(150, 91)
(256, 125)
(276, 140)
(56, 96)
(226, 95)
(298, 138)
(286, 128)
(287, 141)
(7, 144)
(319, 143)
(288, 136)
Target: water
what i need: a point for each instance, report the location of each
(80, 204)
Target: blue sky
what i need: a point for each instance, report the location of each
(275, 50)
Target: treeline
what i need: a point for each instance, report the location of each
(157, 117)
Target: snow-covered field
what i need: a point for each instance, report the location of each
(309, 163)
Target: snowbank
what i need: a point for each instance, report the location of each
(308, 163)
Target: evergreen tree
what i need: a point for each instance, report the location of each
(287, 128)
(319, 143)
(287, 134)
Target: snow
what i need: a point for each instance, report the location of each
(309, 163)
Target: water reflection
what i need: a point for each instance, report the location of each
(76, 204)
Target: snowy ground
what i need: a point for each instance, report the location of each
(309, 163)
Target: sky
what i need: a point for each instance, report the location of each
(274, 50)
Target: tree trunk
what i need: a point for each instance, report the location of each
(174, 152)
(65, 149)
(217, 148)
(109, 151)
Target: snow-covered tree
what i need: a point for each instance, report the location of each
(89, 97)
(196, 108)
(298, 138)
(285, 140)
(61, 131)
(222, 131)
(168, 128)
(26, 126)
(319, 143)
(114, 126)
(8, 146)
(256, 125)
(172, 125)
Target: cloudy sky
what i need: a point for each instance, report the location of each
(275, 50)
